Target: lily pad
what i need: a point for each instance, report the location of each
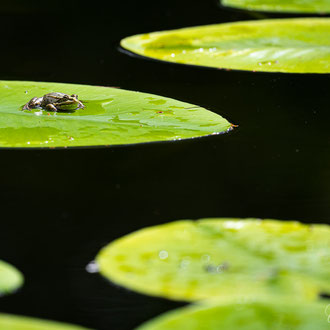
(14, 322)
(111, 116)
(293, 6)
(10, 278)
(193, 260)
(278, 45)
(251, 315)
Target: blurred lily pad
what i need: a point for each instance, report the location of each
(278, 45)
(10, 278)
(246, 315)
(14, 322)
(293, 6)
(111, 116)
(193, 260)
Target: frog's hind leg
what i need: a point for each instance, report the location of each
(33, 103)
(50, 107)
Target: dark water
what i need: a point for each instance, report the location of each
(59, 207)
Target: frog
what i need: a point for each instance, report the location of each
(55, 102)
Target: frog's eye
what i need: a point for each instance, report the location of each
(74, 95)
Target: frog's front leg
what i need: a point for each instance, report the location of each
(33, 103)
(51, 107)
(80, 105)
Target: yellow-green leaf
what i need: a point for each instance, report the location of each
(10, 278)
(193, 260)
(293, 6)
(111, 116)
(246, 315)
(278, 45)
(14, 322)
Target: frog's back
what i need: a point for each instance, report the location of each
(51, 98)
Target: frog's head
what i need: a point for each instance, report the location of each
(69, 103)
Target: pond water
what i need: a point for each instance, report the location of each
(59, 207)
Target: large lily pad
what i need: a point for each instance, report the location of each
(193, 260)
(295, 6)
(111, 116)
(281, 45)
(10, 278)
(14, 322)
(252, 315)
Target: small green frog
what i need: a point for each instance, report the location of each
(55, 102)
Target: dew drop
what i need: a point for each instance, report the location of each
(222, 267)
(185, 262)
(163, 254)
(205, 258)
(92, 267)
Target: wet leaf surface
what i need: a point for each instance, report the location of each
(279, 45)
(111, 116)
(294, 6)
(10, 278)
(189, 260)
(13, 322)
(246, 315)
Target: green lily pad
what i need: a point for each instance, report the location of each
(14, 322)
(293, 6)
(10, 278)
(278, 45)
(111, 116)
(251, 315)
(193, 260)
